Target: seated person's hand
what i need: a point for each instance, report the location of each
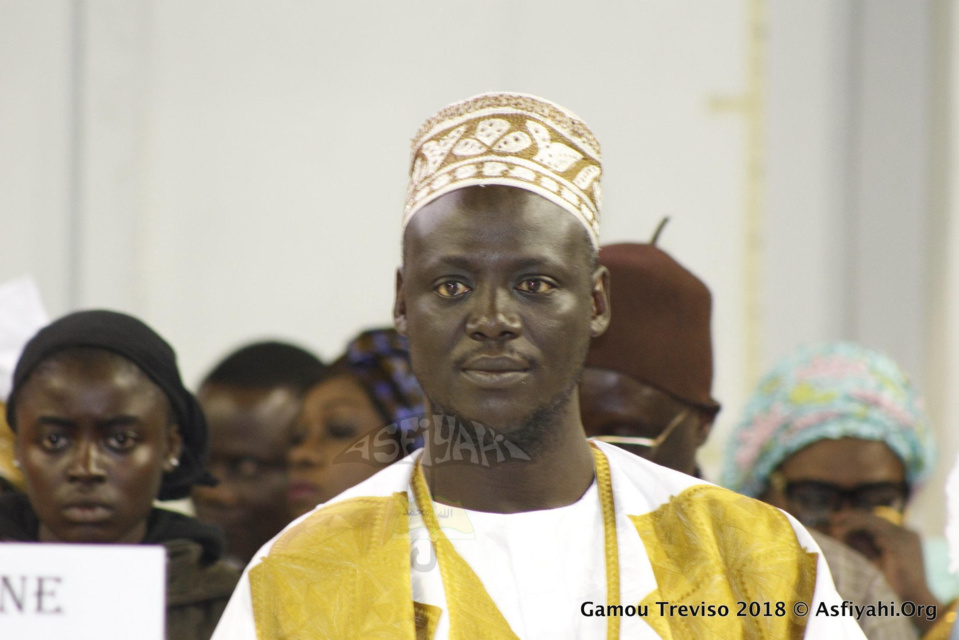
(896, 550)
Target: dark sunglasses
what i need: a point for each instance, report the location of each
(817, 500)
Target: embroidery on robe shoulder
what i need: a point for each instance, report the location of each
(711, 546)
(343, 572)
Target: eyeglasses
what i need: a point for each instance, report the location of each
(645, 447)
(816, 501)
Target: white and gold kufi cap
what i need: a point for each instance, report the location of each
(509, 139)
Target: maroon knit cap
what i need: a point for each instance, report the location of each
(659, 332)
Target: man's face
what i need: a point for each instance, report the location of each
(93, 440)
(250, 431)
(499, 300)
(613, 404)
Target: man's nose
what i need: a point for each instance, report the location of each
(494, 315)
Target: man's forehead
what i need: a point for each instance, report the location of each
(250, 438)
(236, 428)
(238, 397)
(450, 258)
(514, 226)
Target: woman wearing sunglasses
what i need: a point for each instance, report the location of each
(836, 435)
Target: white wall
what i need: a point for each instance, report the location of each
(230, 171)
(37, 179)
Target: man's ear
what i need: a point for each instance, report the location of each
(174, 448)
(399, 305)
(599, 321)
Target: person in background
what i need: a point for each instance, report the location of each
(648, 380)
(369, 388)
(647, 387)
(945, 627)
(250, 400)
(837, 436)
(103, 428)
(21, 316)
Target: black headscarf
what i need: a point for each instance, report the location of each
(138, 343)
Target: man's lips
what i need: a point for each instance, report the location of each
(495, 371)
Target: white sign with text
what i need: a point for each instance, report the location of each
(82, 591)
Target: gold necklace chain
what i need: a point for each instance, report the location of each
(424, 503)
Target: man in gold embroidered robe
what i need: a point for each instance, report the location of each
(509, 524)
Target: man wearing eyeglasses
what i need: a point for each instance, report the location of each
(646, 385)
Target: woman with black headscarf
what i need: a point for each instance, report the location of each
(104, 426)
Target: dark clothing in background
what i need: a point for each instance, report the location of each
(199, 584)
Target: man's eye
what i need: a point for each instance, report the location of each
(451, 289)
(246, 467)
(535, 285)
(121, 441)
(54, 441)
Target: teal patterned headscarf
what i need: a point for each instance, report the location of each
(832, 391)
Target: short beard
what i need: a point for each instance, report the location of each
(536, 434)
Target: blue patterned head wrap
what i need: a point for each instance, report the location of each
(831, 391)
(380, 360)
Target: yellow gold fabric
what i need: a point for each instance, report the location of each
(8, 471)
(426, 618)
(709, 545)
(473, 614)
(343, 572)
(508, 139)
(888, 513)
(605, 484)
(943, 627)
